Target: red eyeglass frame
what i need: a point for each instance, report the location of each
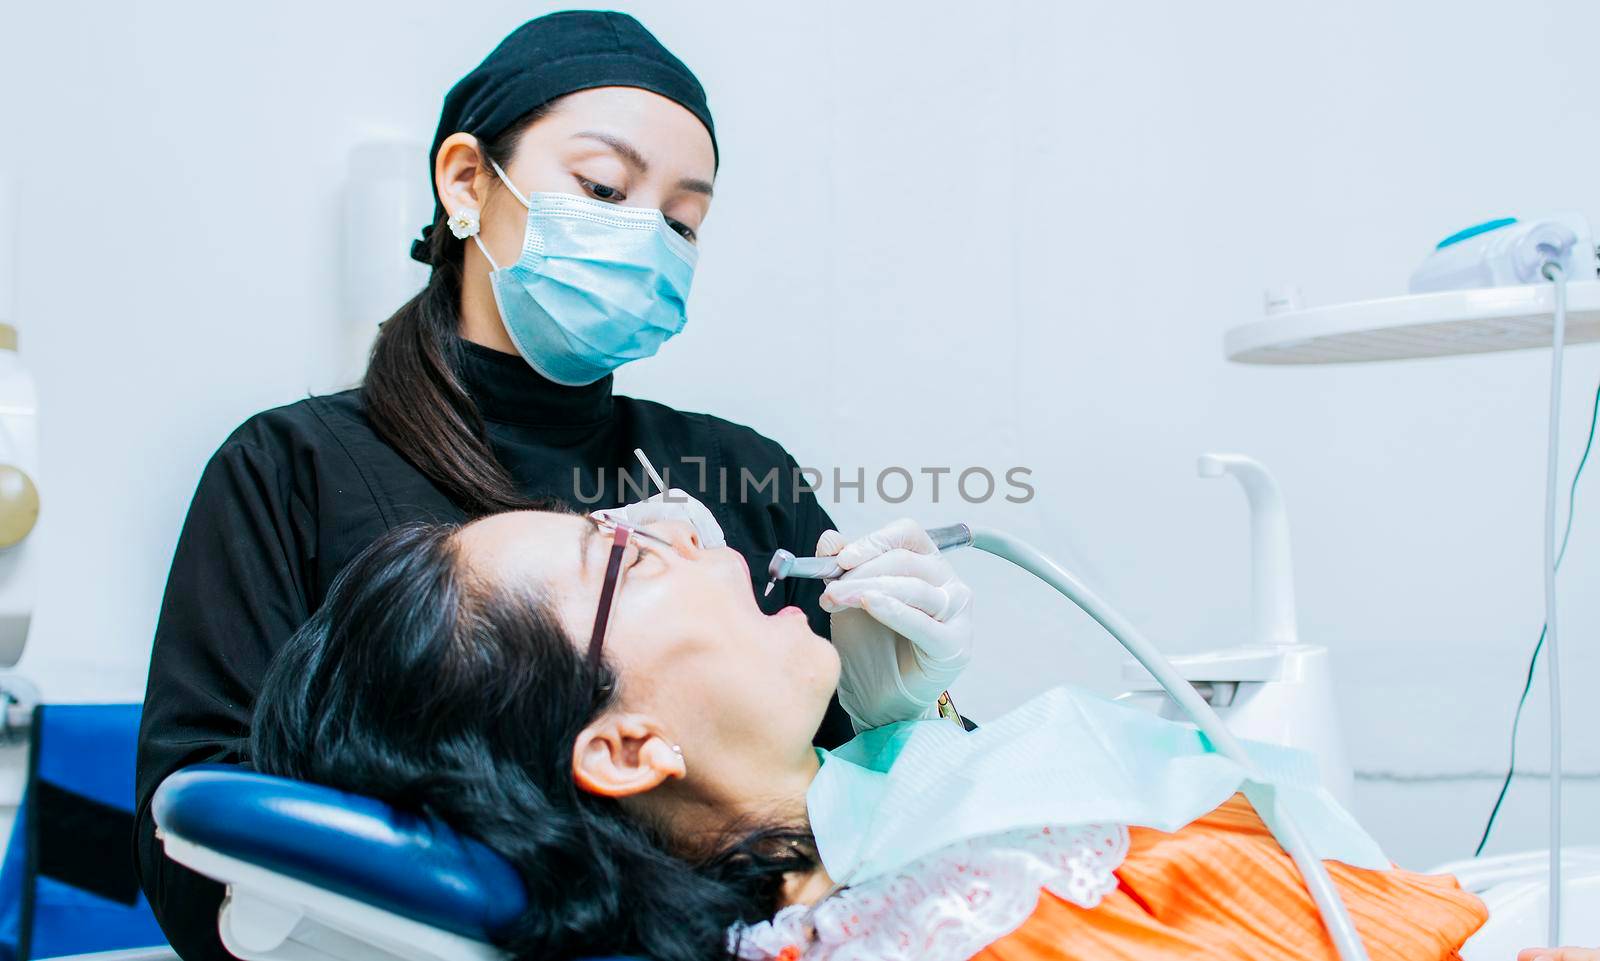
(620, 534)
(608, 589)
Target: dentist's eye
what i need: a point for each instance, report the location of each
(610, 195)
(683, 229)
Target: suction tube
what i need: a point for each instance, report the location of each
(1334, 915)
(1555, 274)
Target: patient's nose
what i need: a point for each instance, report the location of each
(680, 533)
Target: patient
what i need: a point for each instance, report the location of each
(646, 770)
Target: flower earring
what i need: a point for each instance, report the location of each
(464, 223)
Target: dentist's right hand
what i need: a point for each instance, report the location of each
(902, 623)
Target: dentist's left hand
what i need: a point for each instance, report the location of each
(902, 622)
(670, 505)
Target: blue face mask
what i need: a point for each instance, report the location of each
(597, 285)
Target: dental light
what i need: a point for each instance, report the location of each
(1500, 285)
(1433, 321)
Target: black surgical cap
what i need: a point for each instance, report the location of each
(555, 55)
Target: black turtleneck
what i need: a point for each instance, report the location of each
(296, 492)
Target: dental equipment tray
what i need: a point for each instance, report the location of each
(1417, 325)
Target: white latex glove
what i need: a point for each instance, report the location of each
(902, 622)
(671, 505)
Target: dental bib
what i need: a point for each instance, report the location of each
(1067, 758)
(941, 839)
(947, 906)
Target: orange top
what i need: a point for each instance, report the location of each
(1223, 888)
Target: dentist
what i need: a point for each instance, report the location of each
(573, 170)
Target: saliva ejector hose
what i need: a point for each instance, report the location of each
(1334, 915)
(1553, 272)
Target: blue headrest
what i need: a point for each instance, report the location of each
(345, 843)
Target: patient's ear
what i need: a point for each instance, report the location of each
(621, 755)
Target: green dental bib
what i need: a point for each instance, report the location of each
(1067, 757)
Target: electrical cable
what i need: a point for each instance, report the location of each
(1533, 660)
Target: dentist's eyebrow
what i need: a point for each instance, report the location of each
(695, 186)
(633, 158)
(627, 151)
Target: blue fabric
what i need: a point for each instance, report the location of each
(89, 748)
(78, 751)
(346, 843)
(12, 872)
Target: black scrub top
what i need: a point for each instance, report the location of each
(295, 493)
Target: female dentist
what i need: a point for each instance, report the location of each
(573, 169)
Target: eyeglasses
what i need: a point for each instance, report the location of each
(620, 534)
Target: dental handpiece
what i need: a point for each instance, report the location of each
(785, 565)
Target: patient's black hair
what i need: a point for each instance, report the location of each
(421, 685)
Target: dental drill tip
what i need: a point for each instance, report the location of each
(770, 586)
(778, 567)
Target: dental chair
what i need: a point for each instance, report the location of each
(1516, 890)
(316, 874)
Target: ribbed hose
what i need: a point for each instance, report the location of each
(1334, 915)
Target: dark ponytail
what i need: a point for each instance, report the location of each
(423, 685)
(412, 394)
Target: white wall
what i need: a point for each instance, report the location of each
(946, 235)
